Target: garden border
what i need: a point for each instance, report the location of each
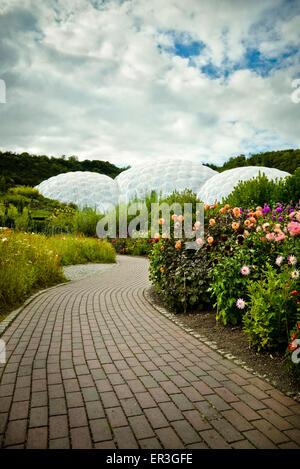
(212, 345)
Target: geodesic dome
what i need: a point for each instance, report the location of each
(162, 176)
(222, 184)
(84, 188)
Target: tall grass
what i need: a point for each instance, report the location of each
(33, 261)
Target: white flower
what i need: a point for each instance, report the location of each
(279, 260)
(292, 260)
(240, 303)
(4, 239)
(245, 270)
(295, 274)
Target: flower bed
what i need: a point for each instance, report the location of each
(246, 269)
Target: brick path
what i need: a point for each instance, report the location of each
(91, 364)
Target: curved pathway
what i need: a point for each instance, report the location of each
(92, 364)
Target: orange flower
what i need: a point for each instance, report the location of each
(222, 210)
(258, 213)
(227, 206)
(162, 270)
(161, 221)
(178, 244)
(235, 225)
(210, 239)
(229, 210)
(259, 208)
(212, 221)
(247, 222)
(214, 205)
(236, 212)
(253, 220)
(162, 248)
(207, 206)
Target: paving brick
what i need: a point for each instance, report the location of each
(37, 438)
(150, 443)
(156, 417)
(244, 410)
(294, 434)
(226, 395)
(125, 438)
(16, 432)
(100, 430)
(186, 432)
(169, 439)
(77, 417)
(239, 422)
(59, 443)
(80, 438)
(277, 407)
(140, 427)
(214, 440)
(116, 417)
(272, 432)
(228, 432)
(259, 440)
(131, 406)
(38, 417)
(170, 411)
(19, 410)
(58, 426)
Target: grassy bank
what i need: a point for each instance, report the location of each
(30, 262)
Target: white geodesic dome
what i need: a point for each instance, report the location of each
(84, 188)
(162, 176)
(222, 184)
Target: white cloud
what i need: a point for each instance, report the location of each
(94, 82)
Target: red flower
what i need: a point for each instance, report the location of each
(298, 326)
(294, 293)
(150, 240)
(293, 346)
(294, 336)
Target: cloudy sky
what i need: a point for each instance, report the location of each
(127, 81)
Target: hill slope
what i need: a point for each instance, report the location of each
(29, 170)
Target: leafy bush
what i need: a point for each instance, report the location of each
(182, 275)
(259, 191)
(85, 222)
(272, 310)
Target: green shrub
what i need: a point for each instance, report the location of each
(272, 311)
(85, 222)
(182, 275)
(255, 191)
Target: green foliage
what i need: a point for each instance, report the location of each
(228, 284)
(182, 275)
(259, 191)
(30, 170)
(272, 311)
(22, 221)
(85, 221)
(255, 191)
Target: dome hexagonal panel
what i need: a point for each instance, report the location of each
(162, 176)
(222, 184)
(84, 188)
